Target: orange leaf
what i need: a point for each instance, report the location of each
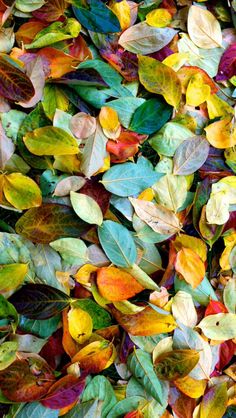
(190, 266)
(68, 343)
(59, 62)
(96, 356)
(116, 285)
(145, 323)
(27, 32)
(125, 146)
(186, 73)
(221, 134)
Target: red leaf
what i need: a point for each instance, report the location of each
(227, 66)
(96, 190)
(227, 350)
(14, 84)
(125, 146)
(125, 62)
(52, 10)
(53, 348)
(215, 307)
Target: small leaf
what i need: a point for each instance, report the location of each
(7, 354)
(159, 218)
(190, 266)
(72, 250)
(144, 120)
(50, 140)
(140, 364)
(11, 276)
(203, 28)
(158, 18)
(21, 191)
(221, 326)
(221, 134)
(190, 155)
(86, 208)
(14, 84)
(176, 364)
(118, 243)
(39, 301)
(229, 296)
(82, 125)
(80, 325)
(160, 79)
(6, 148)
(144, 39)
(116, 285)
(183, 309)
(214, 402)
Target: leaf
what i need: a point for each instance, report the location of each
(49, 222)
(203, 28)
(167, 140)
(96, 356)
(183, 309)
(125, 406)
(86, 208)
(68, 184)
(140, 364)
(98, 18)
(145, 323)
(39, 301)
(144, 39)
(191, 387)
(219, 327)
(214, 401)
(158, 18)
(15, 85)
(36, 410)
(12, 276)
(125, 107)
(197, 91)
(50, 12)
(82, 125)
(129, 179)
(72, 250)
(28, 6)
(118, 244)
(6, 148)
(171, 191)
(159, 218)
(221, 134)
(142, 277)
(94, 153)
(160, 79)
(42, 328)
(35, 72)
(20, 383)
(100, 317)
(101, 389)
(144, 120)
(175, 364)
(190, 266)
(116, 285)
(80, 325)
(229, 296)
(50, 140)
(7, 354)
(21, 191)
(200, 294)
(190, 155)
(28, 343)
(227, 64)
(64, 392)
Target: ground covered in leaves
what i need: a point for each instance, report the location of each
(117, 209)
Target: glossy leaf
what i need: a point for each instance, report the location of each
(144, 120)
(80, 325)
(176, 364)
(21, 191)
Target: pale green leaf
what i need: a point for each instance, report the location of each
(86, 208)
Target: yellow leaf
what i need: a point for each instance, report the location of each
(67, 163)
(160, 79)
(217, 107)
(214, 402)
(11, 276)
(197, 91)
(191, 387)
(230, 242)
(122, 11)
(147, 194)
(158, 18)
(108, 118)
(221, 134)
(190, 266)
(177, 60)
(83, 274)
(80, 325)
(21, 191)
(195, 244)
(106, 165)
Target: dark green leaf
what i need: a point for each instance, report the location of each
(150, 116)
(98, 19)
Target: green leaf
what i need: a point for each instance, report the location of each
(39, 301)
(145, 120)
(43, 329)
(176, 364)
(221, 326)
(190, 155)
(50, 140)
(126, 107)
(98, 18)
(8, 315)
(72, 250)
(11, 276)
(125, 406)
(171, 191)
(118, 244)
(90, 409)
(101, 318)
(147, 343)
(47, 262)
(167, 140)
(11, 122)
(37, 410)
(140, 364)
(200, 294)
(7, 354)
(27, 6)
(214, 402)
(144, 39)
(129, 179)
(229, 295)
(86, 208)
(101, 389)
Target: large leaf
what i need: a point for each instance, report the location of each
(171, 191)
(190, 155)
(100, 388)
(36, 410)
(221, 326)
(190, 266)
(140, 364)
(118, 243)
(160, 79)
(50, 140)
(144, 39)
(176, 364)
(49, 222)
(21, 191)
(214, 402)
(86, 208)
(64, 392)
(145, 120)
(14, 84)
(99, 18)
(159, 218)
(129, 179)
(38, 301)
(204, 29)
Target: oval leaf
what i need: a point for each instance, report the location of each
(190, 155)
(176, 364)
(86, 208)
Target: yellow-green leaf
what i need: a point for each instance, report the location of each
(214, 402)
(159, 18)
(21, 191)
(176, 364)
(86, 208)
(160, 79)
(11, 276)
(50, 140)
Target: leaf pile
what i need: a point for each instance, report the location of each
(117, 209)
